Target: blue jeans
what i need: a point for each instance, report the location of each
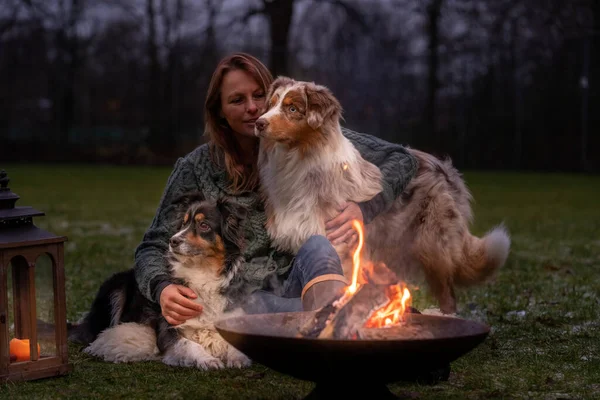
(316, 257)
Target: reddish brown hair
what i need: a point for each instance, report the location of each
(220, 136)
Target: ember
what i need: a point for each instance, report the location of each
(392, 313)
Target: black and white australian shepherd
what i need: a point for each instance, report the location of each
(308, 168)
(205, 254)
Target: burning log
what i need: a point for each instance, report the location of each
(313, 327)
(351, 317)
(346, 316)
(358, 311)
(379, 301)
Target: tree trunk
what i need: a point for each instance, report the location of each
(68, 44)
(170, 126)
(156, 137)
(280, 14)
(517, 100)
(590, 49)
(433, 16)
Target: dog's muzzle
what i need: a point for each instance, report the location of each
(259, 126)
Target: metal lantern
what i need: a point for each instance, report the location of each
(22, 330)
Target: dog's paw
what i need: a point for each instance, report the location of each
(237, 359)
(203, 362)
(186, 353)
(210, 363)
(241, 362)
(173, 361)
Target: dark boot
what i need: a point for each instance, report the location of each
(322, 290)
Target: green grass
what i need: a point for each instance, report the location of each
(542, 306)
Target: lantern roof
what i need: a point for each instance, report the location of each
(16, 223)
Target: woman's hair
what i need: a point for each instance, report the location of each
(220, 136)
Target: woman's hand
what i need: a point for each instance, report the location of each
(176, 305)
(339, 229)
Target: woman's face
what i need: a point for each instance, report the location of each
(242, 100)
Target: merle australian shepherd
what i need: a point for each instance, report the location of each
(204, 254)
(308, 168)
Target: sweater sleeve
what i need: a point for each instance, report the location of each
(151, 266)
(398, 166)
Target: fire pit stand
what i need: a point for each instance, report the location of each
(343, 390)
(355, 389)
(347, 367)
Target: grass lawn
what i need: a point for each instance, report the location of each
(542, 306)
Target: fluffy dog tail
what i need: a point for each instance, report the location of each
(483, 256)
(126, 342)
(106, 310)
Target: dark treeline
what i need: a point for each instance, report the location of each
(494, 84)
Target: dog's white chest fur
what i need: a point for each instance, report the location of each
(303, 192)
(207, 286)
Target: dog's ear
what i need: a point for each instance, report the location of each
(321, 105)
(281, 81)
(232, 215)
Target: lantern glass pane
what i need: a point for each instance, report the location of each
(44, 295)
(20, 310)
(11, 304)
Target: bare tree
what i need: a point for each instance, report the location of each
(64, 18)
(164, 57)
(156, 136)
(8, 21)
(433, 17)
(280, 14)
(591, 50)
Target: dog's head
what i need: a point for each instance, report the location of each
(297, 113)
(209, 232)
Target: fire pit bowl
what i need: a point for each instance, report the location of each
(270, 339)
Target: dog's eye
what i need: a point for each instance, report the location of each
(293, 109)
(203, 227)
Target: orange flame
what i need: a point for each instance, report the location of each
(399, 296)
(393, 312)
(356, 257)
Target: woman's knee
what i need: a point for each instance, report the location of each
(317, 257)
(317, 244)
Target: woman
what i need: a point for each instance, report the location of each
(227, 165)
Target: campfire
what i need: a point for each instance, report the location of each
(365, 328)
(373, 306)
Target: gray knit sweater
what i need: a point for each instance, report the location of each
(196, 171)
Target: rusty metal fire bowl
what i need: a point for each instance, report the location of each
(271, 340)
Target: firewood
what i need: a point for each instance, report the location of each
(314, 325)
(351, 317)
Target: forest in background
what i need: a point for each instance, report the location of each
(493, 84)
